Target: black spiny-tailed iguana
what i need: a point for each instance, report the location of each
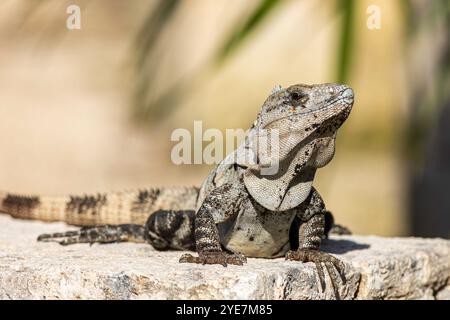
(239, 211)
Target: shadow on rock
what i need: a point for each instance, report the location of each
(339, 246)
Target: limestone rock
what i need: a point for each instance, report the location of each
(377, 268)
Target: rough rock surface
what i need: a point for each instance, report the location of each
(377, 268)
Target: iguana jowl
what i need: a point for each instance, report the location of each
(238, 212)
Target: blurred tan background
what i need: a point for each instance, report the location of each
(93, 109)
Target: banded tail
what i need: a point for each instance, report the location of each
(104, 208)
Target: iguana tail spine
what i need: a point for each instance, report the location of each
(103, 208)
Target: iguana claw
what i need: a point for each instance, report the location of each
(334, 266)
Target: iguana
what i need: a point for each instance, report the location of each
(239, 211)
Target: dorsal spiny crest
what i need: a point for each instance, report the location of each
(276, 89)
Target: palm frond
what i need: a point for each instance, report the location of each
(262, 11)
(345, 49)
(147, 105)
(152, 27)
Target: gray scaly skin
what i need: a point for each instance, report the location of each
(241, 211)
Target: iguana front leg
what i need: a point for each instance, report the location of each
(220, 205)
(311, 233)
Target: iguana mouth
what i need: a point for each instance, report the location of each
(274, 122)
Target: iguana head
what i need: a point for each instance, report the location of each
(301, 113)
(304, 120)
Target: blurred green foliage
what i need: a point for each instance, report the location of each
(150, 106)
(239, 34)
(146, 105)
(427, 100)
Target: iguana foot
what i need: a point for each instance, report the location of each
(215, 257)
(100, 234)
(334, 266)
(332, 228)
(340, 230)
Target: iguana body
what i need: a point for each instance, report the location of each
(239, 211)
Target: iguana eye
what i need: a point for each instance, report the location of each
(299, 97)
(295, 96)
